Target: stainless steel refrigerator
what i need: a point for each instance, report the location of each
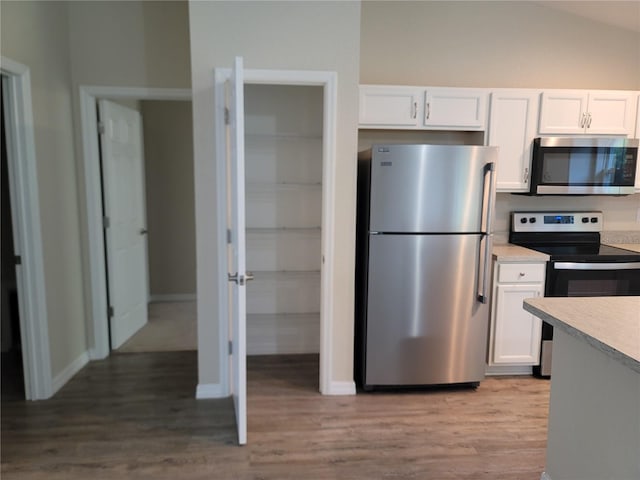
(423, 252)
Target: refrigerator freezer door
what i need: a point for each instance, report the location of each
(424, 325)
(429, 188)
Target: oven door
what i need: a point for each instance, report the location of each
(592, 279)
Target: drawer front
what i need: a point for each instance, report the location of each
(521, 272)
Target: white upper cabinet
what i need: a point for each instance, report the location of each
(513, 116)
(455, 108)
(389, 106)
(576, 112)
(422, 108)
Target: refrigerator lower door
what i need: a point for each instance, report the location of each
(424, 325)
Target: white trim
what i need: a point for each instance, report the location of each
(91, 166)
(210, 390)
(329, 82)
(69, 371)
(224, 372)
(341, 388)
(328, 233)
(174, 297)
(23, 181)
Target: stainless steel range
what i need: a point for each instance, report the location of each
(579, 265)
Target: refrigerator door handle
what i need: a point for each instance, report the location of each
(487, 210)
(483, 280)
(483, 272)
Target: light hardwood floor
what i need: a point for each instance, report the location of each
(134, 416)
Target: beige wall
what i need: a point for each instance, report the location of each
(275, 35)
(130, 44)
(168, 153)
(36, 35)
(493, 44)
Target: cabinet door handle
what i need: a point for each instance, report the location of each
(583, 120)
(589, 121)
(428, 110)
(526, 175)
(415, 110)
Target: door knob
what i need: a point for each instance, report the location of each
(143, 231)
(240, 279)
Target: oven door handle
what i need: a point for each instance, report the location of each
(595, 266)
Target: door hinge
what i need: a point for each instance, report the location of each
(230, 347)
(100, 127)
(17, 259)
(227, 116)
(106, 223)
(110, 311)
(228, 235)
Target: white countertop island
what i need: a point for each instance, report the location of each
(594, 410)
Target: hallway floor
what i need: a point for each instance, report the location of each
(171, 326)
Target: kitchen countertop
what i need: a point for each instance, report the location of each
(515, 253)
(635, 247)
(610, 324)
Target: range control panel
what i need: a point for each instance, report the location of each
(556, 221)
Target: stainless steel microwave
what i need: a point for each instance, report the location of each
(583, 166)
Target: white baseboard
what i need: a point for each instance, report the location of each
(174, 297)
(69, 371)
(210, 390)
(341, 388)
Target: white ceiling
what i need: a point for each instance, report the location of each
(623, 14)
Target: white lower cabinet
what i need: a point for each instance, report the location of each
(514, 337)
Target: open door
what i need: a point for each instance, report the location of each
(237, 274)
(125, 219)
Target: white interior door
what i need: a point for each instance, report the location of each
(125, 223)
(237, 274)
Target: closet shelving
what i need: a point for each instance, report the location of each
(283, 151)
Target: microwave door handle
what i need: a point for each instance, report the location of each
(596, 266)
(483, 275)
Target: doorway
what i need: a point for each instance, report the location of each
(27, 296)
(11, 363)
(283, 176)
(94, 201)
(233, 359)
(170, 219)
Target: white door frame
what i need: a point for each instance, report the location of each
(329, 82)
(25, 210)
(98, 326)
